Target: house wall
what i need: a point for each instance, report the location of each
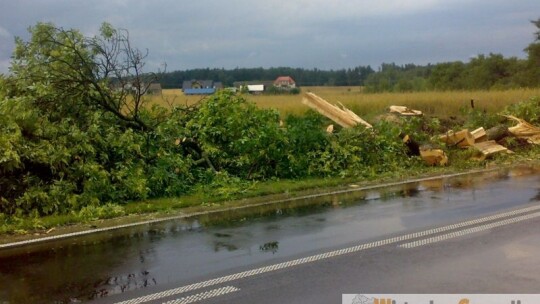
(203, 91)
(256, 88)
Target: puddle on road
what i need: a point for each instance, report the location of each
(104, 264)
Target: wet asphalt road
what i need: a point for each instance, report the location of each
(504, 259)
(501, 260)
(292, 254)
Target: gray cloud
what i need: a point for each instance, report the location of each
(300, 33)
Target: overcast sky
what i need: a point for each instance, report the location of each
(297, 33)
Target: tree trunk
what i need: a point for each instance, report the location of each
(497, 133)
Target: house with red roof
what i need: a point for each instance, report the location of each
(285, 82)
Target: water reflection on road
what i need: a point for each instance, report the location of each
(179, 251)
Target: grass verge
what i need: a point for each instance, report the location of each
(207, 200)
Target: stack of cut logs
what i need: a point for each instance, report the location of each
(483, 141)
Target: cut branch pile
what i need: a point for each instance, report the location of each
(348, 119)
(478, 139)
(484, 141)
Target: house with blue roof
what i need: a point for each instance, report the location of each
(200, 87)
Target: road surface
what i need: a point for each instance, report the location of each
(475, 234)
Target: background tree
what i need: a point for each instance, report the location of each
(103, 72)
(533, 62)
(73, 132)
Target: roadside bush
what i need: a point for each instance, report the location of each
(361, 152)
(304, 135)
(58, 166)
(476, 118)
(238, 137)
(170, 171)
(69, 139)
(527, 109)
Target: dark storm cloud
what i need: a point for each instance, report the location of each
(300, 33)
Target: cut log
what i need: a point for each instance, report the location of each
(489, 148)
(342, 116)
(497, 133)
(434, 157)
(402, 110)
(479, 135)
(525, 130)
(462, 139)
(354, 116)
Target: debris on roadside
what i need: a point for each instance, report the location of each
(497, 133)
(525, 130)
(486, 143)
(404, 111)
(488, 148)
(342, 116)
(433, 157)
(479, 135)
(462, 139)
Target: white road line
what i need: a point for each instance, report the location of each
(469, 231)
(204, 295)
(322, 256)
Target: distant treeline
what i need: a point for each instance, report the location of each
(480, 73)
(303, 77)
(483, 72)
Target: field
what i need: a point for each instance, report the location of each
(440, 104)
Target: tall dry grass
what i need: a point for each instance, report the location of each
(441, 104)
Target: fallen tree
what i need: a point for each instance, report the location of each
(342, 116)
(348, 119)
(524, 130)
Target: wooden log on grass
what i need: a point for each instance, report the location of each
(462, 139)
(479, 135)
(497, 133)
(433, 157)
(489, 148)
(404, 111)
(342, 116)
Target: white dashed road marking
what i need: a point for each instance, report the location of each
(469, 231)
(357, 248)
(204, 295)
